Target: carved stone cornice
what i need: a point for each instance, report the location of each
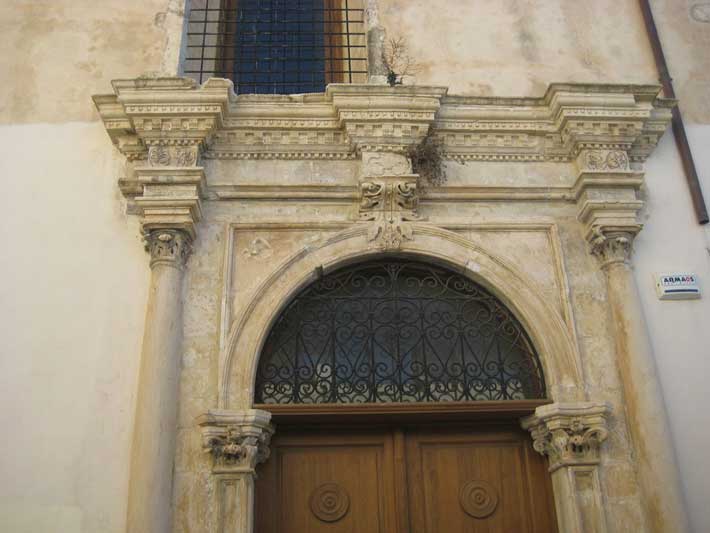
(380, 118)
(168, 247)
(349, 118)
(146, 112)
(569, 434)
(236, 440)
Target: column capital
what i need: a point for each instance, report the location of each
(236, 440)
(613, 247)
(169, 247)
(570, 434)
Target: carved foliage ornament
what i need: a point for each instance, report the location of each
(238, 448)
(176, 156)
(611, 160)
(611, 248)
(573, 440)
(171, 247)
(388, 204)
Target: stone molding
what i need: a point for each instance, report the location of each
(236, 440)
(168, 247)
(569, 434)
(349, 118)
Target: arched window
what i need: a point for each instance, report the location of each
(396, 330)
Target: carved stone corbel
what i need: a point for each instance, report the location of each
(571, 436)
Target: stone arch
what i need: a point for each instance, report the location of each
(549, 333)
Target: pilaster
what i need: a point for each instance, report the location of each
(608, 205)
(237, 441)
(571, 435)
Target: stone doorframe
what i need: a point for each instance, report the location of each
(569, 431)
(569, 434)
(602, 133)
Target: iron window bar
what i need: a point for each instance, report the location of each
(277, 46)
(396, 331)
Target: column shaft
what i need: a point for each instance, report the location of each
(646, 412)
(154, 432)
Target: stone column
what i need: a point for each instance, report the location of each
(153, 450)
(237, 441)
(645, 408)
(571, 435)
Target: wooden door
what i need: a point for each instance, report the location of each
(471, 481)
(404, 479)
(330, 481)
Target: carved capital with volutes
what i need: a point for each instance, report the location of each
(612, 247)
(569, 434)
(236, 440)
(168, 247)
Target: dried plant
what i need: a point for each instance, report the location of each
(428, 160)
(398, 60)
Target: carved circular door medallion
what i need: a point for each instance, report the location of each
(330, 502)
(478, 498)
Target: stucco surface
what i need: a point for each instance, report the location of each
(60, 52)
(672, 241)
(72, 300)
(516, 47)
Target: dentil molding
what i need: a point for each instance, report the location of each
(166, 126)
(617, 124)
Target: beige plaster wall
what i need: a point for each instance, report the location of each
(59, 52)
(73, 270)
(672, 241)
(517, 47)
(72, 297)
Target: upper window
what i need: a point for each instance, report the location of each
(277, 46)
(397, 331)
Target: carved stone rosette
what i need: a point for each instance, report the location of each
(569, 434)
(168, 247)
(185, 154)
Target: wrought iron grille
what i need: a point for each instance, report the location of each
(397, 331)
(277, 46)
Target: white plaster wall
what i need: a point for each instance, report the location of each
(673, 241)
(73, 274)
(73, 286)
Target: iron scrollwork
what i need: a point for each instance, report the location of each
(397, 331)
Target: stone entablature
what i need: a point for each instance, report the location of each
(568, 120)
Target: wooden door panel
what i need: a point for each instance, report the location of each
(471, 481)
(443, 478)
(337, 483)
